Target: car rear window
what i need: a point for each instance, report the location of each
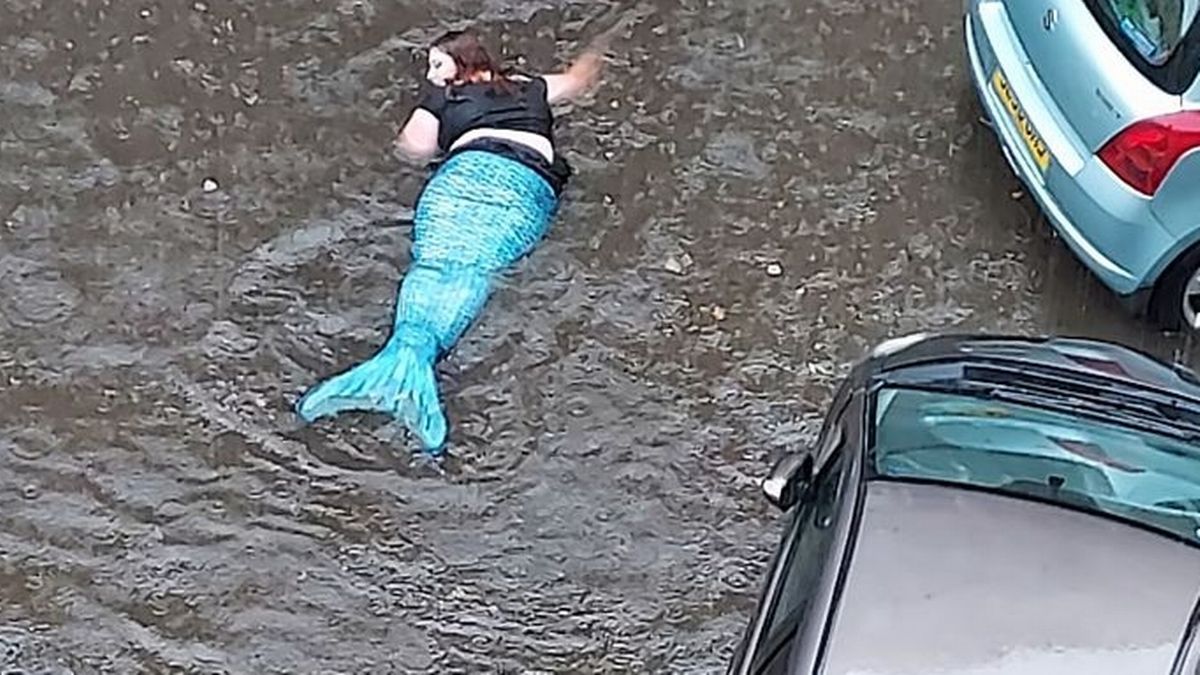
(1153, 27)
(1159, 37)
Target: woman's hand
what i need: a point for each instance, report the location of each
(585, 72)
(577, 79)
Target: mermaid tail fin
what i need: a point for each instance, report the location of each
(436, 304)
(398, 381)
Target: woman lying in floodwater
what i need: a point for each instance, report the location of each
(486, 206)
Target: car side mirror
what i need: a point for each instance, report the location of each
(789, 479)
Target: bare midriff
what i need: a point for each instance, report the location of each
(536, 142)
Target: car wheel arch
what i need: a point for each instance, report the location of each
(1169, 276)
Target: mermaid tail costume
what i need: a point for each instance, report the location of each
(479, 213)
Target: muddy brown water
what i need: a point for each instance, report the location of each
(764, 189)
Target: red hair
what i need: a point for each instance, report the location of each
(473, 60)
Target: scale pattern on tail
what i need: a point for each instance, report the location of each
(478, 214)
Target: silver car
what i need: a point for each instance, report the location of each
(1096, 104)
(978, 505)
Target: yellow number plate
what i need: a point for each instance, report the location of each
(1033, 140)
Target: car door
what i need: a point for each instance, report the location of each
(802, 571)
(801, 564)
(1187, 661)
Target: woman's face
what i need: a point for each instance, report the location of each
(442, 69)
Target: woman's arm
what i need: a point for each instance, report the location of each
(576, 80)
(419, 138)
(586, 71)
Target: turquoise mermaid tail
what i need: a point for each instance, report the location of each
(479, 213)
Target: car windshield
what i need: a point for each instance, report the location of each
(1154, 28)
(1015, 448)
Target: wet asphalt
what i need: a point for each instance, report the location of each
(201, 216)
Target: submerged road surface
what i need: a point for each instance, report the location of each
(200, 216)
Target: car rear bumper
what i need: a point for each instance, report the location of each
(1107, 225)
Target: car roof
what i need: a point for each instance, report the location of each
(951, 580)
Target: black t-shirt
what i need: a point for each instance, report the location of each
(517, 105)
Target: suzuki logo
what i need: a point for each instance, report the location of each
(1050, 19)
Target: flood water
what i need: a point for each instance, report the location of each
(201, 216)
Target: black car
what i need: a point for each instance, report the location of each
(981, 505)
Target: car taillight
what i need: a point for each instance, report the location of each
(1144, 152)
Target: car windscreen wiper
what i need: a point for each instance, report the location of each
(1180, 524)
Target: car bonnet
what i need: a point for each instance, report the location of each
(963, 582)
